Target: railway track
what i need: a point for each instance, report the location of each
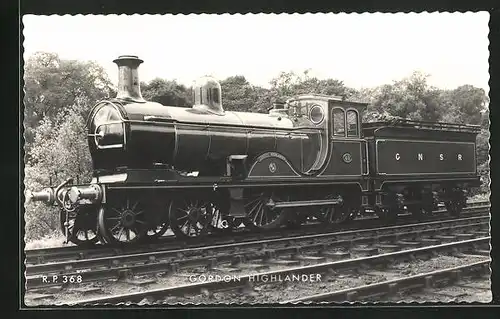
(246, 285)
(169, 242)
(425, 281)
(254, 255)
(114, 267)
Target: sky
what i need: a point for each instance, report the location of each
(363, 50)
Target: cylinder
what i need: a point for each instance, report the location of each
(91, 192)
(128, 78)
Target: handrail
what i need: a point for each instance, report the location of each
(424, 125)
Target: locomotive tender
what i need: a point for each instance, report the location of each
(200, 169)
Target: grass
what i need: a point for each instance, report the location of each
(54, 239)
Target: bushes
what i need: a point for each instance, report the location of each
(39, 218)
(484, 171)
(60, 151)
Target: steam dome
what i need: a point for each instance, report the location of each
(208, 95)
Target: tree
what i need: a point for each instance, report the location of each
(51, 84)
(166, 92)
(464, 104)
(289, 84)
(241, 96)
(327, 87)
(283, 86)
(467, 105)
(60, 151)
(483, 146)
(264, 100)
(410, 98)
(237, 94)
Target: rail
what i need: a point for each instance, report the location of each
(245, 280)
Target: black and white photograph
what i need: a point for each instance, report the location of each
(256, 159)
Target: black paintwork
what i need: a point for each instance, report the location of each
(435, 158)
(160, 141)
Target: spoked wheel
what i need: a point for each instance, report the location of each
(190, 217)
(334, 214)
(262, 216)
(81, 226)
(122, 223)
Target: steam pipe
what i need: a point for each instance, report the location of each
(58, 188)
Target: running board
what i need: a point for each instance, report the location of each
(303, 203)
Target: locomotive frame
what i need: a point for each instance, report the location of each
(311, 158)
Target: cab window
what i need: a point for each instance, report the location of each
(352, 123)
(338, 120)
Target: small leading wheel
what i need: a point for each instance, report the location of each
(81, 225)
(122, 223)
(261, 215)
(190, 217)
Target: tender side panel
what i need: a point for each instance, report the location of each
(405, 157)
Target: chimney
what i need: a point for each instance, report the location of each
(128, 78)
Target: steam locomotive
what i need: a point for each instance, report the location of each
(203, 169)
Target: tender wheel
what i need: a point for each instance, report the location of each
(393, 204)
(389, 214)
(456, 202)
(260, 215)
(125, 224)
(189, 217)
(454, 207)
(81, 226)
(418, 212)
